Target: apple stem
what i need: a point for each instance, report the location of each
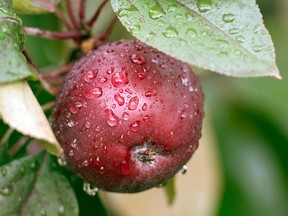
(52, 34)
(109, 29)
(97, 13)
(47, 86)
(71, 14)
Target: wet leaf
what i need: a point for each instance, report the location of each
(34, 6)
(32, 186)
(13, 63)
(20, 110)
(227, 37)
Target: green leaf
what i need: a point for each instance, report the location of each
(31, 186)
(34, 6)
(227, 37)
(13, 63)
(170, 190)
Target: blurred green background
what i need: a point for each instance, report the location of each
(249, 120)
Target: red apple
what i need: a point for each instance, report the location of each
(129, 117)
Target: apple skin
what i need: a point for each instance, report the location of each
(128, 117)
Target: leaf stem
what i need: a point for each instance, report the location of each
(82, 9)
(49, 88)
(52, 34)
(71, 14)
(109, 29)
(97, 13)
(6, 136)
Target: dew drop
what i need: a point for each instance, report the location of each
(125, 168)
(89, 76)
(135, 126)
(146, 68)
(119, 99)
(183, 170)
(102, 170)
(111, 118)
(144, 107)
(6, 190)
(150, 93)
(75, 107)
(204, 5)
(71, 123)
(61, 211)
(141, 75)
(234, 31)
(137, 59)
(3, 171)
(133, 103)
(87, 124)
(62, 160)
(240, 39)
(146, 118)
(119, 79)
(102, 79)
(71, 153)
(156, 12)
(170, 32)
(89, 189)
(125, 116)
(93, 93)
(110, 70)
(228, 18)
(191, 32)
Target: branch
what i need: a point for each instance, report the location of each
(52, 34)
(97, 13)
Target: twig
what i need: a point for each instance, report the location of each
(6, 136)
(52, 34)
(109, 29)
(60, 15)
(71, 14)
(48, 105)
(82, 9)
(97, 13)
(49, 88)
(59, 71)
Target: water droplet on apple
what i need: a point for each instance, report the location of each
(89, 189)
(111, 118)
(146, 68)
(125, 116)
(133, 103)
(102, 79)
(141, 76)
(135, 126)
(144, 107)
(93, 93)
(89, 76)
(71, 123)
(150, 93)
(119, 79)
(101, 170)
(137, 59)
(125, 168)
(110, 70)
(119, 99)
